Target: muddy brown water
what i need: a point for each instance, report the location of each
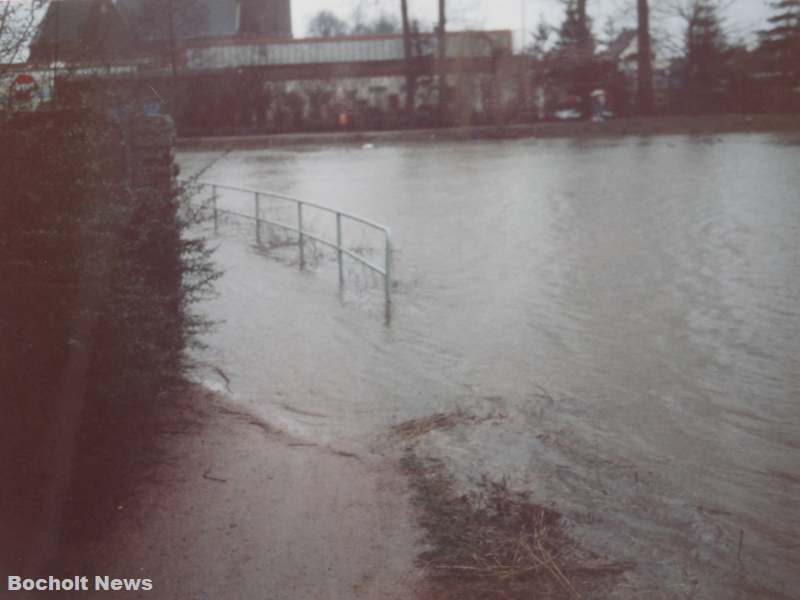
(628, 309)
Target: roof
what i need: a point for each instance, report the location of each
(65, 20)
(193, 18)
(73, 29)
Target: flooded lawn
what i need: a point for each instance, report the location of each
(627, 312)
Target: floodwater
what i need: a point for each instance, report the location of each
(627, 311)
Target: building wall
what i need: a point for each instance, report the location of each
(272, 18)
(226, 54)
(255, 101)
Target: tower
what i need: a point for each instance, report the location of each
(269, 18)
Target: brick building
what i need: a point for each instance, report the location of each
(81, 31)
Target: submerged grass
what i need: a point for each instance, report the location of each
(409, 430)
(496, 544)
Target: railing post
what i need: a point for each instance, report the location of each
(216, 212)
(300, 232)
(339, 254)
(258, 218)
(388, 277)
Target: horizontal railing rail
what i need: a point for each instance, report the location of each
(338, 245)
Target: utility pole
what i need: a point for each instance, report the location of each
(585, 48)
(644, 60)
(411, 79)
(173, 59)
(442, 34)
(56, 40)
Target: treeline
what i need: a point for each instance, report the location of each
(694, 64)
(327, 23)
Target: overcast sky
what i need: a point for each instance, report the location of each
(744, 16)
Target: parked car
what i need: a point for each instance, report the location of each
(567, 114)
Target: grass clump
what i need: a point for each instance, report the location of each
(495, 543)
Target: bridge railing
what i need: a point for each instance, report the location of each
(301, 207)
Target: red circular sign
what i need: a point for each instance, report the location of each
(23, 88)
(24, 79)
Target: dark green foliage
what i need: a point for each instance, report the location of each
(575, 34)
(92, 252)
(780, 44)
(705, 66)
(537, 48)
(705, 43)
(572, 64)
(96, 285)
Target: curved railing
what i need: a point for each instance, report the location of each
(338, 245)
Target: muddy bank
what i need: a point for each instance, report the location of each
(237, 509)
(617, 127)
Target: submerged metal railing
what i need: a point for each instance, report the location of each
(303, 234)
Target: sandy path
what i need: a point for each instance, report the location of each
(244, 513)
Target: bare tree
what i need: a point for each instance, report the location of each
(326, 24)
(383, 24)
(18, 21)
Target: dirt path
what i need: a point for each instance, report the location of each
(243, 512)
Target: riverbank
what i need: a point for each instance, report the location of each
(238, 509)
(706, 125)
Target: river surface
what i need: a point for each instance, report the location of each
(627, 311)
